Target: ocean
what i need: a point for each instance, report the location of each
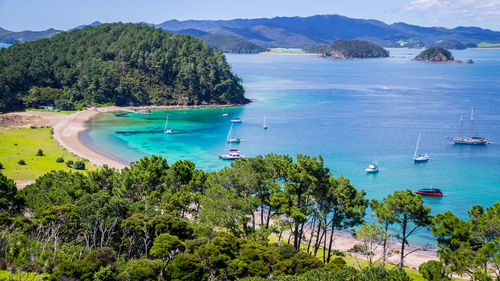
(351, 112)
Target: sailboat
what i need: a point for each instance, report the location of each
(230, 139)
(468, 140)
(166, 130)
(265, 125)
(420, 158)
(232, 155)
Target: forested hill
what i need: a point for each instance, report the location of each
(350, 49)
(116, 63)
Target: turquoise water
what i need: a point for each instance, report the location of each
(351, 112)
(2, 45)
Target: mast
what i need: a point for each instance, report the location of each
(166, 123)
(461, 125)
(416, 148)
(471, 121)
(229, 135)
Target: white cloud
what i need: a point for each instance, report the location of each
(469, 8)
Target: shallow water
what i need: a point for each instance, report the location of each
(351, 112)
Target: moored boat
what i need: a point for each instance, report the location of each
(429, 192)
(468, 140)
(236, 120)
(372, 168)
(421, 157)
(143, 112)
(233, 154)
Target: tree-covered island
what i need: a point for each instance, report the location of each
(435, 54)
(350, 49)
(121, 64)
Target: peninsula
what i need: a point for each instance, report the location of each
(117, 64)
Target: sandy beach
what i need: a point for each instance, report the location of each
(68, 127)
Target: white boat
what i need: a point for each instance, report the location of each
(468, 140)
(166, 130)
(230, 138)
(236, 120)
(232, 155)
(265, 125)
(372, 168)
(420, 158)
(143, 111)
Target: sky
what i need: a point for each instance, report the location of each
(18, 15)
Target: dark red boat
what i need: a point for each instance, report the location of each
(429, 192)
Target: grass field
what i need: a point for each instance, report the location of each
(23, 144)
(488, 45)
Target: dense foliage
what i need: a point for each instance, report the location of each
(435, 54)
(449, 45)
(232, 44)
(349, 49)
(174, 222)
(115, 63)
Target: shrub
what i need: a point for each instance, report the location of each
(3, 264)
(432, 270)
(79, 165)
(60, 160)
(69, 163)
(1, 166)
(39, 152)
(105, 273)
(335, 263)
(21, 162)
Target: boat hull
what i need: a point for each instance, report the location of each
(371, 171)
(420, 160)
(428, 193)
(469, 141)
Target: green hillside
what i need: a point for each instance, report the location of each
(118, 63)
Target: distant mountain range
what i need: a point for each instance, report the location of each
(306, 32)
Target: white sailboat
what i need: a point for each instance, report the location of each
(420, 158)
(233, 154)
(166, 130)
(265, 125)
(230, 138)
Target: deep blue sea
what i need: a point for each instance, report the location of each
(351, 112)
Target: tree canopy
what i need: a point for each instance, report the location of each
(116, 63)
(349, 49)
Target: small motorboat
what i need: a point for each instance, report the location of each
(372, 168)
(232, 155)
(143, 112)
(236, 120)
(224, 114)
(429, 192)
(234, 140)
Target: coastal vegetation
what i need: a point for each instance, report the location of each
(23, 144)
(232, 44)
(435, 54)
(350, 49)
(263, 217)
(122, 64)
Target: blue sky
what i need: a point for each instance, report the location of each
(20, 15)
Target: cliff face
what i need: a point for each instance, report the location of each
(435, 54)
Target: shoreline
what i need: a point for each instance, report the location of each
(69, 128)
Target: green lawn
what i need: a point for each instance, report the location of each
(23, 144)
(488, 45)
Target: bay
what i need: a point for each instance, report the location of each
(351, 112)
